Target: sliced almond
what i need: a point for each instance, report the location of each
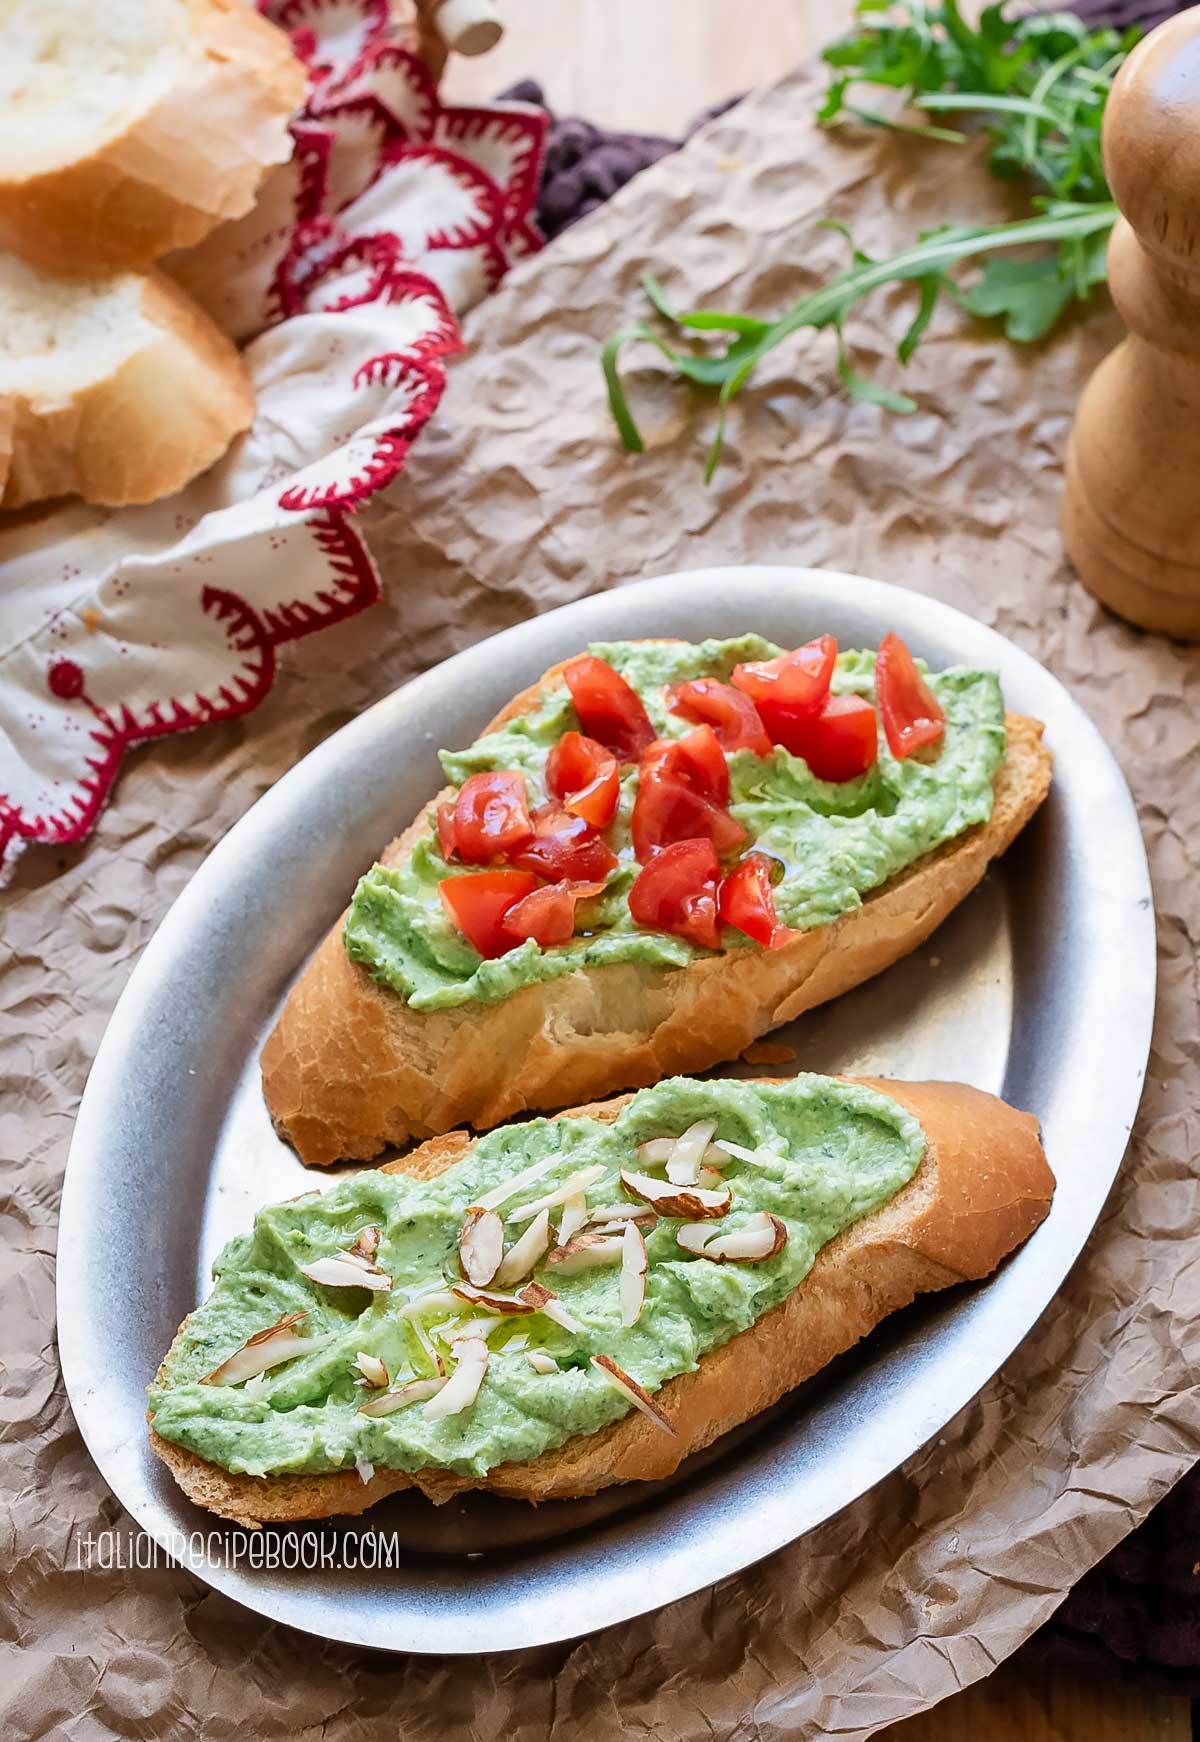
(756, 1157)
(516, 1183)
(541, 1362)
(544, 1300)
(574, 1217)
(656, 1151)
(481, 1245)
(427, 1348)
(683, 1166)
(366, 1244)
(416, 1391)
(434, 1300)
(373, 1371)
(577, 1182)
(280, 1342)
(630, 1389)
(606, 1214)
(490, 1299)
(633, 1274)
(365, 1468)
(760, 1236)
(585, 1252)
(347, 1270)
(688, 1203)
(524, 1253)
(451, 1329)
(462, 1388)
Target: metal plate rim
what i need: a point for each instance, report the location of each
(594, 617)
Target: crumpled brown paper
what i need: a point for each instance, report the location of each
(519, 499)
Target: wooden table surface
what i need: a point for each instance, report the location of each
(650, 66)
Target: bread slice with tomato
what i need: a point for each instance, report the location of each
(353, 1065)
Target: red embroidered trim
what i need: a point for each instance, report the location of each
(354, 584)
(315, 250)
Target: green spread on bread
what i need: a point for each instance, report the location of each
(666, 799)
(553, 1279)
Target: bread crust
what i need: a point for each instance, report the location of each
(176, 169)
(163, 415)
(350, 1068)
(982, 1187)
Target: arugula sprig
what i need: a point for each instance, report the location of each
(1038, 84)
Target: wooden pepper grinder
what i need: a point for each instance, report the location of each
(1131, 513)
(447, 27)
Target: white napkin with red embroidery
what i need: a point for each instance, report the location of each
(395, 215)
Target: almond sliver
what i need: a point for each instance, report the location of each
(631, 1390)
(545, 1301)
(481, 1245)
(634, 1263)
(683, 1164)
(374, 1371)
(760, 1236)
(690, 1203)
(584, 1253)
(345, 1270)
(416, 1391)
(490, 1299)
(516, 1183)
(756, 1157)
(462, 1388)
(268, 1348)
(524, 1253)
(573, 1218)
(577, 1182)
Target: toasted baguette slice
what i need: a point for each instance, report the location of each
(134, 126)
(118, 389)
(981, 1189)
(351, 1068)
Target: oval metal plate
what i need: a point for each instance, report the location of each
(173, 1151)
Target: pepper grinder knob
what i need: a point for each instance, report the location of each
(1131, 510)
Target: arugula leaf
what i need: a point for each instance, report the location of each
(1037, 85)
(1029, 294)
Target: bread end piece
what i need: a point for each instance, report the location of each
(117, 389)
(982, 1188)
(350, 1068)
(191, 113)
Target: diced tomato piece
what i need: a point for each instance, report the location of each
(564, 846)
(698, 756)
(683, 784)
(586, 777)
(477, 902)
(677, 892)
(548, 915)
(798, 680)
(609, 709)
(912, 714)
(732, 715)
(747, 902)
(489, 817)
(838, 743)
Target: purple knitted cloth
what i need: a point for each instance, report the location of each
(1137, 1614)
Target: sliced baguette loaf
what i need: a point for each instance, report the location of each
(135, 126)
(982, 1187)
(351, 1068)
(118, 389)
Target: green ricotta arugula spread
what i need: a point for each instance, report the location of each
(837, 1150)
(836, 842)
